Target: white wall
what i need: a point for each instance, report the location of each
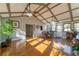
(26, 20)
(20, 33)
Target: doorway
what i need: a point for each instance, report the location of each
(29, 30)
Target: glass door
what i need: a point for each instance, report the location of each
(59, 29)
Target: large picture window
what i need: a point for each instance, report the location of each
(48, 27)
(59, 28)
(76, 27)
(53, 26)
(67, 27)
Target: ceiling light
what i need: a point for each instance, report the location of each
(29, 14)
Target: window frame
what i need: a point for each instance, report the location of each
(64, 27)
(74, 25)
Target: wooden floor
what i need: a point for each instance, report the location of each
(33, 47)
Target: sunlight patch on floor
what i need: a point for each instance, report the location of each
(42, 46)
(56, 52)
(35, 41)
(47, 42)
(39, 39)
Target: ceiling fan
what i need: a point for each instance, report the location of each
(29, 11)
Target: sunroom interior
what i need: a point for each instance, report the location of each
(39, 29)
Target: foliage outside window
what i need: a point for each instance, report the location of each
(76, 27)
(67, 27)
(59, 28)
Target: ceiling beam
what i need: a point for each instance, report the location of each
(8, 8)
(51, 8)
(66, 18)
(71, 15)
(44, 18)
(37, 8)
(49, 17)
(56, 5)
(26, 8)
(52, 14)
(11, 12)
(15, 16)
(37, 18)
(43, 7)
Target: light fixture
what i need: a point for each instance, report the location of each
(29, 13)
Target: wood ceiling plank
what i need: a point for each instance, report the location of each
(51, 8)
(11, 12)
(44, 18)
(37, 8)
(43, 7)
(52, 14)
(15, 16)
(69, 18)
(64, 12)
(67, 11)
(25, 9)
(37, 18)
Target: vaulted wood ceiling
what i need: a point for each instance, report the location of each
(44, 12)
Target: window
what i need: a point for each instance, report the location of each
(76, 27)
(53, 26)
(48, 27)
(67, 27)
(59, 28)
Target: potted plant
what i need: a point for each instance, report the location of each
(6, 31)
